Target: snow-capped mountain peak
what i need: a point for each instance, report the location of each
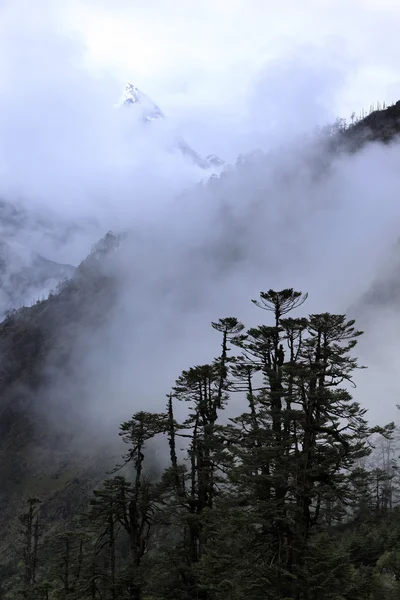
(132, 96)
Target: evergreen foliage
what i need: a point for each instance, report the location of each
(277, 502)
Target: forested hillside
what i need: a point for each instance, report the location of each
(262, 478)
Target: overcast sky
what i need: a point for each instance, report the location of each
(208, 53)
(227, 63)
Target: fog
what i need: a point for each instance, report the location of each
(199, 248)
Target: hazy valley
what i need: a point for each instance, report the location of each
(188, 299)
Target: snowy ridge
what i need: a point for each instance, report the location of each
(151, 112)
(132, 95)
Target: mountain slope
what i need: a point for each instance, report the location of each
(26, 277)
(379, 126)
(36, 347)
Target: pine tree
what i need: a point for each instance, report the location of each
(30, 536)
(302, 434)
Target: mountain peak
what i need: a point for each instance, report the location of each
(132, 93)
(150, 112)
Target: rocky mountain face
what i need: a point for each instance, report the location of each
(151, 112)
